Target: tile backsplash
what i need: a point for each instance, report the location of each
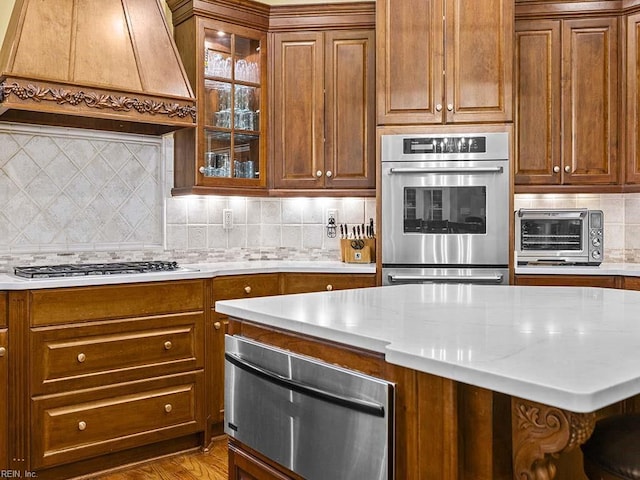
(73, 195)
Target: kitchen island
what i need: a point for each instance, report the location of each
(493, 381)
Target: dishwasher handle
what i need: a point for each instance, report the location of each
(363, 406)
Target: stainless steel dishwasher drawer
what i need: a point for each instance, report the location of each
(318, 420)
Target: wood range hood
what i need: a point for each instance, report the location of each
(98, 64)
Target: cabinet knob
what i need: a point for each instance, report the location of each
(567, 169)
(168, 345)
(247, 289)
(82, 426)
(329, 173)
(450, 107)
(217, 325)
(81, 357)
(202, 170)
(439, 107)
(329, 287)
(319, 173)
(3, 351)
(556, 169)
(168, 407)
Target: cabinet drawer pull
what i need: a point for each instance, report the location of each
(168, 407)
(329, 287)
(82, 426)
(247, 289)
(217, 325)
(81, 357)
(3, 351)
(168, 345)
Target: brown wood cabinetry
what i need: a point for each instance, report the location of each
(244, 466)
(631, 283)
(317, 282)
(112, 368)
(632, 131)
(4, 384)
(444, 61)
(568, 280)
(323, 111)
(566, 103)
(224, 52)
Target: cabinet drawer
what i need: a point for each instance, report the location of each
(66, 305)
(85, 424)
(80, 356)
(245, 286)
(317, 282)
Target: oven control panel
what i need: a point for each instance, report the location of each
(453, 144)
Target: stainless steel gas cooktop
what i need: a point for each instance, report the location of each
(73, 270)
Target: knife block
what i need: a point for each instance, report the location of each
(366, 254)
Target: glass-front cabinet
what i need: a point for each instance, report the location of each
(228, 148)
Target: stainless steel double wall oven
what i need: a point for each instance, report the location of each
(445, 208)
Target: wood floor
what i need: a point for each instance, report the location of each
(211, 465)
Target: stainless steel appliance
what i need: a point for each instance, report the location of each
(572, 236)
(445, 208)
(318, 420)
(81, 269)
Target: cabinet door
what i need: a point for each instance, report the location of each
(479, 60)
(298, 110)
(633, 99)
(590, 101)
(4, 400)
(242, 466)
(537, 73)
(219, 326)
(409, 83)
(349, 112)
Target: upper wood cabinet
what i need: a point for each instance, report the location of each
(226, 64)
(323, 131)
(444, 61)
(632, 136)
(567, 97)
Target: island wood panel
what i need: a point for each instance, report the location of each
(430, 412)
(631, 283)
(604, 281)
(76, 304)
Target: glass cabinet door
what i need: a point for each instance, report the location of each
(232, 110)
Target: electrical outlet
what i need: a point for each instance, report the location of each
(227, 219)
(332, 213)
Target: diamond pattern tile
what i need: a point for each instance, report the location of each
(77, 189)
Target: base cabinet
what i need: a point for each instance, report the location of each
(632, 140)
(243, 466)
(4, 384)
(602, 281)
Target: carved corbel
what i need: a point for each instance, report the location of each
(541, 433)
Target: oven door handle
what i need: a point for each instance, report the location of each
(359, 405)
(446, 170)
(446, 278)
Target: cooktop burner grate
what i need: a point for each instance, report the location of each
(73, 270)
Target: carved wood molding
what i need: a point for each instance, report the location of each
(541, 433)
(94, 100)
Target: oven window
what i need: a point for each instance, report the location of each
(542, 234)
(445, 210)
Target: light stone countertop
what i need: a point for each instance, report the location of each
(574, 348)
(188, 271)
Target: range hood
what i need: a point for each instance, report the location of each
(100, 64)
